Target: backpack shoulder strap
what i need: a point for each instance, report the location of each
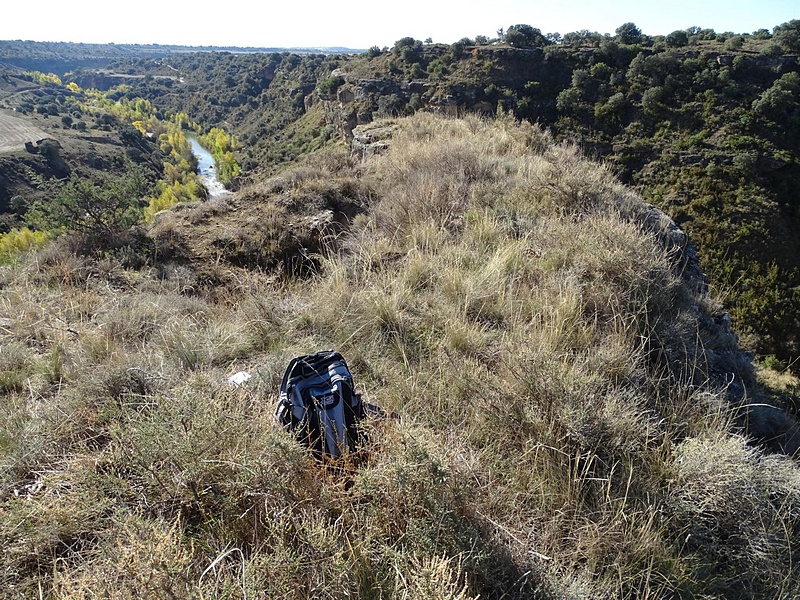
(287, 374)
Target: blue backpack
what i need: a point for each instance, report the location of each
(318, 403)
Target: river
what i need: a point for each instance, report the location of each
(207, 171)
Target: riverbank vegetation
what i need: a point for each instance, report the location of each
(43, 78)
(222, 146)
(19, 241)
(569, 426)
(180, 182)
(158, 158)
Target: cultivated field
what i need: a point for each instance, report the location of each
(14, 132)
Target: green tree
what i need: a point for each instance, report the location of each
(98, 211)
(772, 49)
(788, 35)
(584, 37)
(651, 101)
(390, 106)
(329, 85)
(780, 102)
(567, 100)
(678, 38)
(611, 110)
(51, 108)
(525, 36)
(734, 42)
(49, 148)
(457, 49)
(629, 33)
(407, 48)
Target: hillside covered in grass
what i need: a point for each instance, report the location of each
(704, 124)
(577, 418)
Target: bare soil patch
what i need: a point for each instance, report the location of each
(15, 131)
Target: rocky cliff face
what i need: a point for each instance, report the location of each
(483, 82)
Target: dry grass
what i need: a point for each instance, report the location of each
(563, 435)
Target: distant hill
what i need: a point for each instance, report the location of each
(62, 57)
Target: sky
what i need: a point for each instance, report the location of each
(365, 23)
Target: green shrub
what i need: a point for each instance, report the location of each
(734, 42)
(329, 85)
(678, 38)
(97, 211)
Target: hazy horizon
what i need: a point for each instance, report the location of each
(354, 24)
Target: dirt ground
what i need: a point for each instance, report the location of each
(15, 131)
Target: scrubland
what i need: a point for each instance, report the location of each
(577, 420)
